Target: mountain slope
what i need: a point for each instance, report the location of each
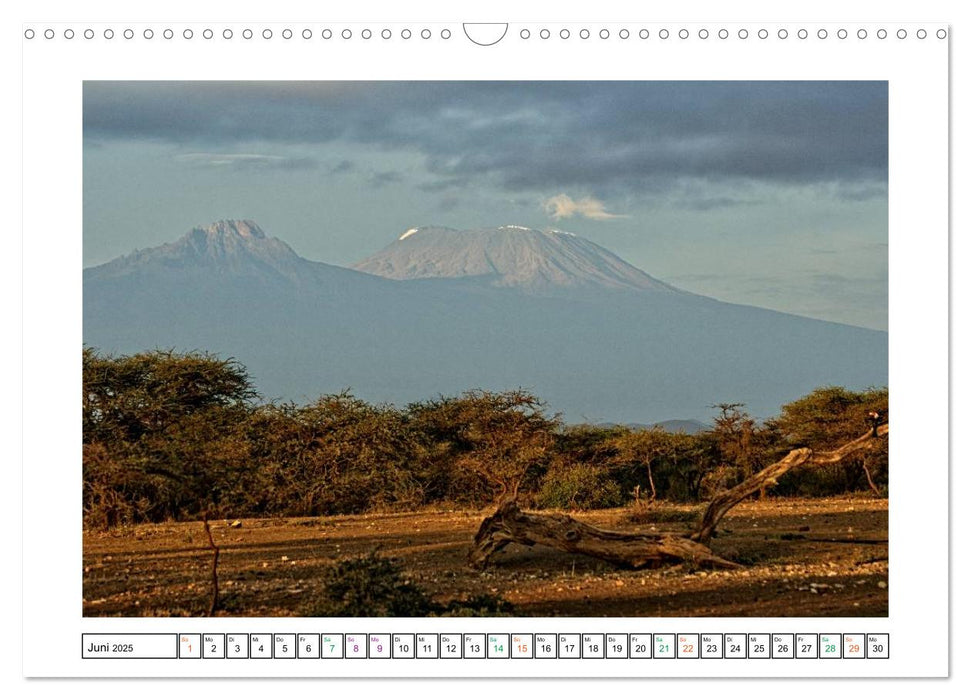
(621, 355)
(508, 256)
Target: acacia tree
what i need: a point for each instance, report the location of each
(688, 460)
(498, 436)
(830, 416)
(338, 454)
(128, 396)
(734, 432)
(643, 447)
(161, 429)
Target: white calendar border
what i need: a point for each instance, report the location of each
(918, 360)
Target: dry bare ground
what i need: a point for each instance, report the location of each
(802, 557)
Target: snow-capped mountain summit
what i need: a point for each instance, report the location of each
(508, 256)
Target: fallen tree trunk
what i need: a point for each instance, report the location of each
(632, 550)
(769, 476)
(637, 550)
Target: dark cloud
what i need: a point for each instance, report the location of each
(588, 137)
(384, 177)
(442, 185)
(344, 166)
(712, 203)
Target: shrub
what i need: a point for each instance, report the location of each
(481, 605)
(373, 586)
(369, 586)
(579, 486)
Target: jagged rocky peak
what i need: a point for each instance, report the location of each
(226, 235)
(227, 245)
(507, 256)
(244, 228)
(232, 237)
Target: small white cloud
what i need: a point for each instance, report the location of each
(563, 206)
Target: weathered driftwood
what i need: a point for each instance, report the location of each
(802, 457)
(637, 550)
(633, 550)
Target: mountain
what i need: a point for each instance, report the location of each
(688, 427)
(599, 340)
(226, 253)
(508, 256)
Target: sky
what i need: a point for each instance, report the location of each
(772, 194)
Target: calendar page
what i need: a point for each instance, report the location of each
(485, 349)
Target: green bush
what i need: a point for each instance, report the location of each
(373, 586)
(369, 586)
(579, 486)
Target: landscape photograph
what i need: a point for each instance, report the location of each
(426, 349)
